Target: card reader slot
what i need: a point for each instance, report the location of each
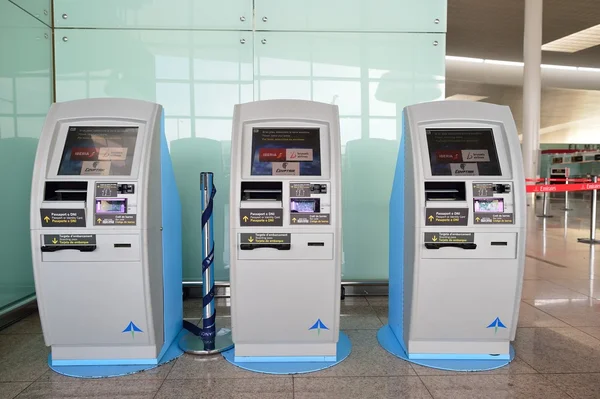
(430, 245)
(279, 247)
(80, 248)
(499, 243)
(262, 191)
(122, 245)
(445, 191)
(316, 244)
(65, 191)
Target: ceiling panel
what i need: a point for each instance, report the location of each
(494, 29)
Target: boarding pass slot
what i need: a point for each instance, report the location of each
(484, 246)
(468, 246)
(108, 248)
(279, 247)
(445, 191)
(300, 247)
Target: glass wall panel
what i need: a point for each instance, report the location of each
(154, 14)
(198, 76)
(351, 15)
(25, 96)
(372, 77)
(40, 9)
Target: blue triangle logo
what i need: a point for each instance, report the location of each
(496, 324)
(319, 326)
(132, 328)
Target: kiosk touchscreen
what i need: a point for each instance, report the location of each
(285, 231)
(106, 234)
(457, 232)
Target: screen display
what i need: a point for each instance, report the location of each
(494, 205)
(286, 152)
(98, 151)
(305, 205)
(462, 152)
(111, 205)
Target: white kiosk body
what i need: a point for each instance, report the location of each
(457, 245)
(285, 231)
(106, 234)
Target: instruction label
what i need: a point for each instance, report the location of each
(483, 190)
(299, 190)
(104, 190)
(63, 217)
(494, 218)
(266, 238)
(309, 218)
(446, 216)
(458, 238)
(261, 217)
(115, 220)
(69, 239)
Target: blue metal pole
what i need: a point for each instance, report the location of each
(208, 192)
(204, 340)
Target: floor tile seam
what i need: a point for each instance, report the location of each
(527, 363)
(569, 288)
(586, 333)
(423, 383)
(160, 387)
(22, 390)
(375, 312)
(558, 387)
(570, 372)
(554, 317)
(308, 376)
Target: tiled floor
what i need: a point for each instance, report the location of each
(557, 346)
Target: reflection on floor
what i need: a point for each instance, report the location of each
(558, 345)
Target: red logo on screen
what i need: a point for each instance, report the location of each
(448, 156)
(271, 154)
(84, 154)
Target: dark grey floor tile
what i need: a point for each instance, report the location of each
(351, 322)
(214, 366)
(211, 388)
(29, 325)
(359, 388)
(382, 312)
(517, 366)
(24, 357)
(558, 350)
(105, 388)
(580, 386)
(356, 307)
(378, 300)
(367, 358)
(157, 373)
(10, 390)
(525, 386)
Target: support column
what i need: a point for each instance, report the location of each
(532, 87)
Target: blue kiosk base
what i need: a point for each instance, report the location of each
(387, 339)
(344, 347)
(106, 371)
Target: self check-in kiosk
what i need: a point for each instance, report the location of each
(106, 234)
(285, 231)
(457, 232)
